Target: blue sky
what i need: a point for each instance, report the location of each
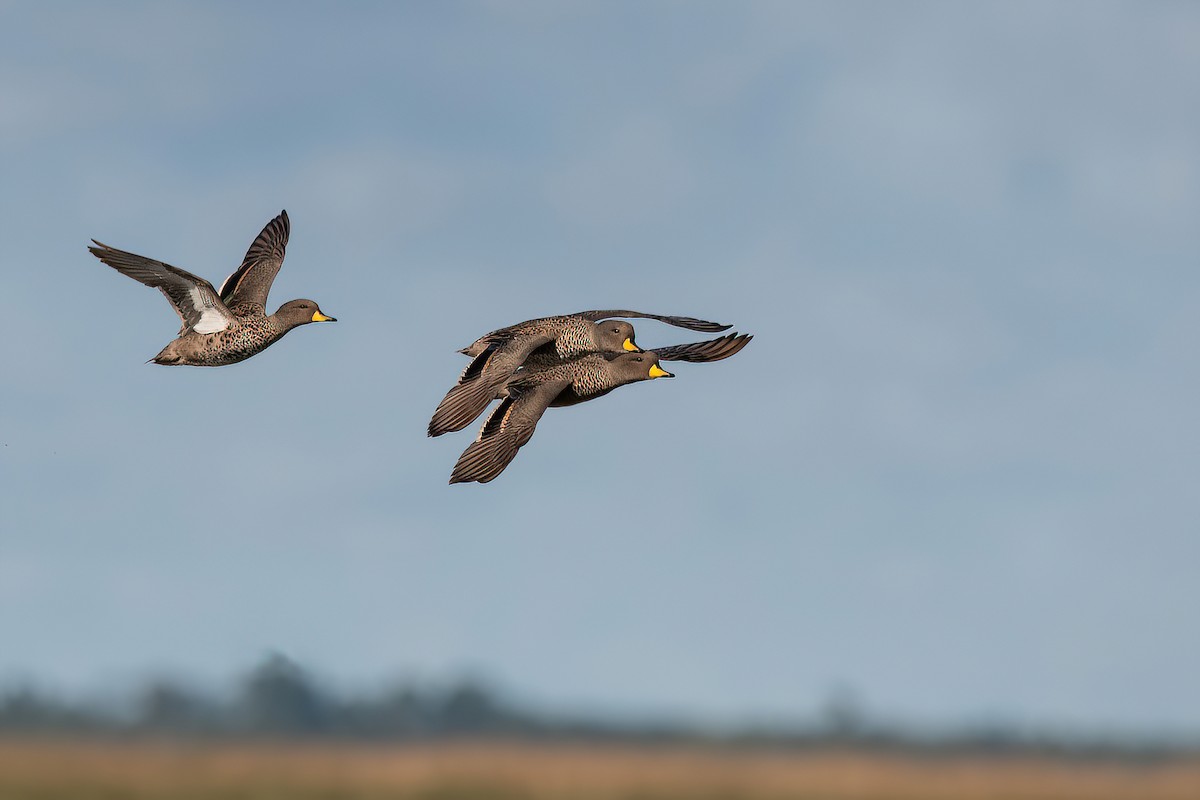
(955, 470)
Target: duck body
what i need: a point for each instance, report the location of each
(544, 381)
(697, 352)
(565, 335)
(499, 354)
(249, 334)
(511, 425)
(496, 356)
(225, 327)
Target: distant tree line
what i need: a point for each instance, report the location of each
(278, 699)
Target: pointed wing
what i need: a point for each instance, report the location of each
(691, 323)
(466, 399)
(700, 352)
(478, 384)
(194, 299)
(251, 282)
(507, 430)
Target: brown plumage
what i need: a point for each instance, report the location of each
(510, 426)
(499, 354)
(696, 352)
(219, 328)
(541, 384)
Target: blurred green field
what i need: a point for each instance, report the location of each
(82, 770)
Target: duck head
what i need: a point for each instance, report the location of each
(301, 312)
(639, 366)
(615, 336)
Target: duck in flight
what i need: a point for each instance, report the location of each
(535, 388)
(496, 356)
(227, 326)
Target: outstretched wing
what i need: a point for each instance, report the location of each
(251, 282)
(477, 385)
(700, 352)
(466, 399)
(507, 430)
(691, 323)
(194, 299)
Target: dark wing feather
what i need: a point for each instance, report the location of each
(477, 385)
(509, 427)
(691, 323)
(251, 282)
(193, 298)
(700, 352)
(466, 400)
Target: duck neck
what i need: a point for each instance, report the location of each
(279, 325)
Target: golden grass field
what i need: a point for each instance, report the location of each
(82, 770)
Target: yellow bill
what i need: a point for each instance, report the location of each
(658, 372)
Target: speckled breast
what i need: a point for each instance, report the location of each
(239, 342)
(575, 338)
(588, 375)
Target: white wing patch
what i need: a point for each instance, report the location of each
(211, 319)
